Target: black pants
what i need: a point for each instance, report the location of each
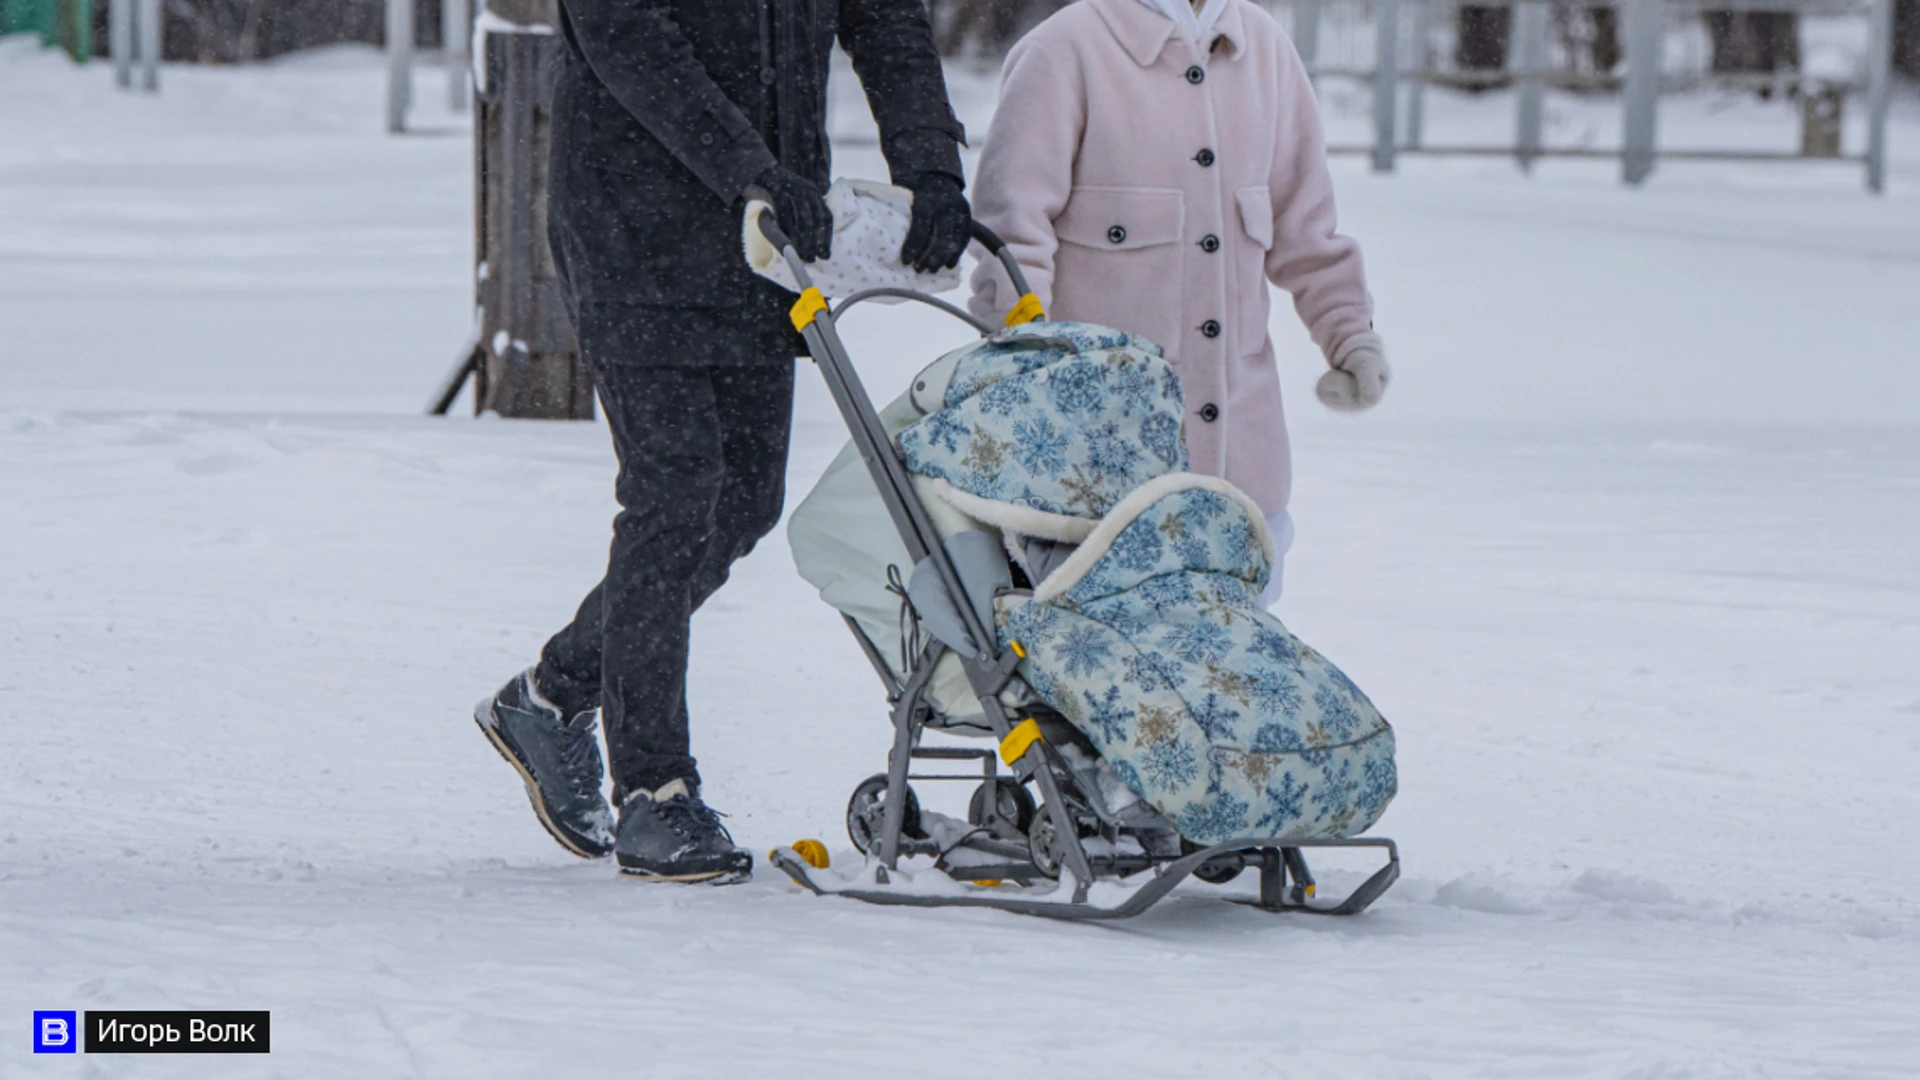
(703, 458)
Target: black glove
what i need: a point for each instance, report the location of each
(942, 222)
(801, 208)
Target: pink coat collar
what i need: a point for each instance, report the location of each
(1144, 33)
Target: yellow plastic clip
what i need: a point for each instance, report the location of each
(1018, 649)
(1015, 745)
(1027, 310)
(810, 304)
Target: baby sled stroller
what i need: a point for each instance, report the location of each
(1019, 551)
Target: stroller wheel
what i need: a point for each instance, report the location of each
(1212, 875)
(1043, 844)
(1011, 803)
(866, 814)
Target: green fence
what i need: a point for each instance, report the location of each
(66, 23)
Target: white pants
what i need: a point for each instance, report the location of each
(1281, 525)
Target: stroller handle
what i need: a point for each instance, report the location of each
(770, 228)
(989, 239)
(992, 668)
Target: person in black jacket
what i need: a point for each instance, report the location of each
(668, 114)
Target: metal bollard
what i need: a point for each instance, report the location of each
(1530, 26)
(399, 63)
(1879, 92)
(120, 41)
(456, 44)
(149, 35)
(1414, 137)
(1386, 88)
(1639, 138)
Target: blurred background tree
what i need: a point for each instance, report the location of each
(1480, 39)
(1906, 38)
(985, 27)
(1754, 42)
(241, 31)
(1590, 34)
(244, 31)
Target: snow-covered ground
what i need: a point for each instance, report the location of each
(1627, 556)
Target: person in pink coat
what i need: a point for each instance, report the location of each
(1153, 166)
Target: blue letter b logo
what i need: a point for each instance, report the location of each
(55, 1033)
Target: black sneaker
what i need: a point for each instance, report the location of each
(668, 834)
(559, 758)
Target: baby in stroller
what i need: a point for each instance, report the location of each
(1020, 551)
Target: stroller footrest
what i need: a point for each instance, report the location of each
(950, 753)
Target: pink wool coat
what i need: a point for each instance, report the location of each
(1153, 185)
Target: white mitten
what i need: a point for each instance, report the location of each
(1359, 376)
(870, 223)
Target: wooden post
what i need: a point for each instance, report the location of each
(1822, 112)
(530, 365)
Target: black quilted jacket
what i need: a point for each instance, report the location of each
(665, 110)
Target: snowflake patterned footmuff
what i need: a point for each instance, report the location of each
(1150, 640)
(1149, 637)
(1047, 426)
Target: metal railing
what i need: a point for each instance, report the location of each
(456, 51)
(1406, 54)
(134, 27)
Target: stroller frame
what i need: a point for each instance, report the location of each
(998, 851)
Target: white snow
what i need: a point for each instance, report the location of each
(1627, 556)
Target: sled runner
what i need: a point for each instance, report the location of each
(1276, 865)
(1054, 579)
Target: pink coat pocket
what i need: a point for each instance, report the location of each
(1116, 246)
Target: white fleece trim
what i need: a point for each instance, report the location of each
(1139, 501)
(758, 249)
(1010, 518)
(1011, 541)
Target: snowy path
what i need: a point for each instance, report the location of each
(1653, 677)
